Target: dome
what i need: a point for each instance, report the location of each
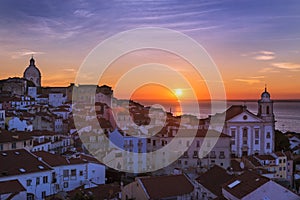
(32, 73)
(265, 95)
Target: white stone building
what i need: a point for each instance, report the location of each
(251, 134)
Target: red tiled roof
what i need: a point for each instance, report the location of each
(53, 160)
(158, 187)
(236, 166)
(11, 186)
(105, 191)
(265, 157)
(213, 179)
(253, 161)
(232, 111)
(15, 162)
(245, 184)
(280, 154)
(8, 136)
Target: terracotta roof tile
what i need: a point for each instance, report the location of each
(158, 187)
(15, 162)
(244, 184)
(53, 160)
(213, 179)
(11, 186)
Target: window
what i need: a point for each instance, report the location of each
(244, 142)
(198, 143)
(245, 132)
(256, 141)
(280, 160)
(24, 143)
(13, 145)
(186, 162)
(154, 142)
(280, 168)
(268, 135)
(43, 194)
(179, 162)
(148, 140)
(1, 147)
(222, 154)
(212, 154)
(80, 173)
(37, 181)
(283, 160)
(268, 145)
(45, 179)
(66, 174)
(195, 154)
(268, 110)
(256, 133)
(232, 142)
(73, 174)
(29, 196)
(185, 154)
(28, 182)
(233, 133)
(66, 184)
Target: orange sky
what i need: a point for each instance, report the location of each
(282, 84)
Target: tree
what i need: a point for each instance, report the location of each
(282, 142)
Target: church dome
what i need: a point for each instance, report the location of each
(32, 73)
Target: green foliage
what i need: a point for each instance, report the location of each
(282, 142)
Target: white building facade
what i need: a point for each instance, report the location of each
(250, 133)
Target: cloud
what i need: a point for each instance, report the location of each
(24, 52)
(264, 55)
(83, 13)
(261, 55)
(249, 81)
(69, 70)
(268, 70)
(287, 66)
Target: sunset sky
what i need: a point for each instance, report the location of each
(253, 43)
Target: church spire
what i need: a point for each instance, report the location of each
(265, 87)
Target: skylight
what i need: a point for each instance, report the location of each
(22, 170)
(41, 167)
(233, 184)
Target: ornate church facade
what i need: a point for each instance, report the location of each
(250, 133)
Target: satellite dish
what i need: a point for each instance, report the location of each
(242, 165)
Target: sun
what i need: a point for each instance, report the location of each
(178, 92)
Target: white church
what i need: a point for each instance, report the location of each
(32, 73)
(250, 133)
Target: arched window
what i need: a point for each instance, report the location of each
(268, 110)
(260, 109)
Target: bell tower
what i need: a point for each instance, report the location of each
(265, 106)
